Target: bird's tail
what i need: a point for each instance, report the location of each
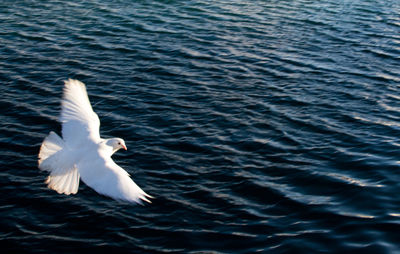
(64, 177)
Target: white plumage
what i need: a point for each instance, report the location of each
(82, 153)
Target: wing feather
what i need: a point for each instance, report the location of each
(79, 121)
(107, 178)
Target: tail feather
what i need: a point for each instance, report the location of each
(67, 183)
(64, 176)
(50, 146)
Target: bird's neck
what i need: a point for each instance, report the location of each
(108, 143)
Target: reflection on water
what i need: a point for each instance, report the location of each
(266, 126)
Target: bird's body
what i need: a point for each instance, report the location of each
(82, 153)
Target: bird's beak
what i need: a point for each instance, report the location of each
(123, 146)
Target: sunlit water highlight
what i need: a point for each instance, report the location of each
(266, 126)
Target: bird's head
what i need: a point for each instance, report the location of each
(116, 144)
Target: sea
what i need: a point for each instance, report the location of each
(258, 126)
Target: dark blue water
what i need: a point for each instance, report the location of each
(259, 126)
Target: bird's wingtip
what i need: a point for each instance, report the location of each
(145, 197)
(71, 82)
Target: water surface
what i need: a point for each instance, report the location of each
(268, 126)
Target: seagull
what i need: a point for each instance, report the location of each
(82, 153)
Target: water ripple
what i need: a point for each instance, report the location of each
(258, 126)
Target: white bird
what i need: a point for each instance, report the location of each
(82, 153)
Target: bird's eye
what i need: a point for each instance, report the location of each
(119, 143)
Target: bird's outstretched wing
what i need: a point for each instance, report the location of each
(79, 121)
(103, 175)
